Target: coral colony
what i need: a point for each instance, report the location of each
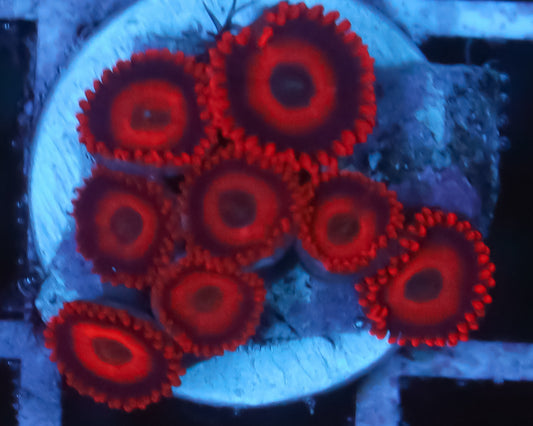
(256, 132)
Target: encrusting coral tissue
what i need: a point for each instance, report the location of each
(256, 133)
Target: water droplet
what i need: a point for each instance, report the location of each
(373, 160)
(311, 403)
(28, 108)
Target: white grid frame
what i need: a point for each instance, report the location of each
(378, 397)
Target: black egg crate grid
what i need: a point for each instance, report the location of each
(382, 398)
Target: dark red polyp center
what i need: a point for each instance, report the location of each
(291, 85)
(207, 299)
(110, 351)
(126, 224)
(342, 228)
(147, 118)
(424, 286)
(237, 208)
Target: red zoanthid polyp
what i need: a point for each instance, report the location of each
(295, 80)
(207, 305)
(241, 205)
(349, 218)
(125, 225)
(148, 109)
(113, 356)
(436, 291)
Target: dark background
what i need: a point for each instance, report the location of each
(17, 38)
(9, 379)
(424, 401)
